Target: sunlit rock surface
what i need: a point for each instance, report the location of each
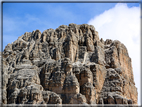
(68, 65)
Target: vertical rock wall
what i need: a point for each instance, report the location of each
(68, 65)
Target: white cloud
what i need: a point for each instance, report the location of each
(122, 23)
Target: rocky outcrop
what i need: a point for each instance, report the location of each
(68, 65)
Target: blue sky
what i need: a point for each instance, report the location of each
(19, 18)
(112, 20)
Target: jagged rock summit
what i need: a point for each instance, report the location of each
(68, 65)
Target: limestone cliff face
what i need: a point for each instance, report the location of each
(69, 65)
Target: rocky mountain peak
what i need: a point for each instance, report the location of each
(68, 65)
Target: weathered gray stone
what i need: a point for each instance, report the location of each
(68, 65)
